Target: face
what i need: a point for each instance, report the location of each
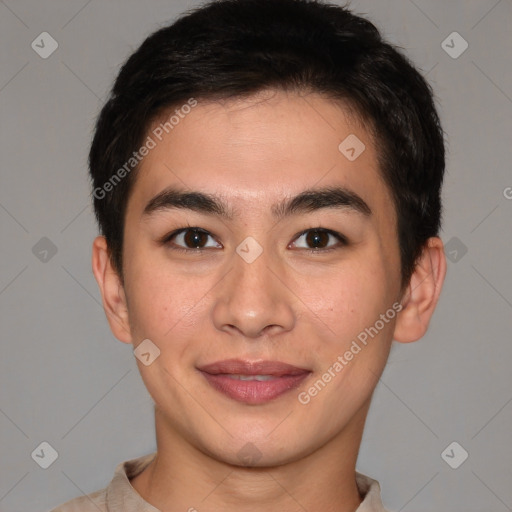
(260, 276)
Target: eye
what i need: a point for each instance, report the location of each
(319, 239)
(194, 239)
(190, 239)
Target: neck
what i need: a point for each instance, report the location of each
(182, 477)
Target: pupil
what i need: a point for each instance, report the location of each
(193, 238)
(315, 238)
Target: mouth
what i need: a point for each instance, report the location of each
(253, 382)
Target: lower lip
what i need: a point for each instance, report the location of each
(253, 391)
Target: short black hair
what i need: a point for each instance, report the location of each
(236, 48)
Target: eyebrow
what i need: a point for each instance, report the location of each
(305, 202)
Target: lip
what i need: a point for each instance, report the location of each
(284, 377)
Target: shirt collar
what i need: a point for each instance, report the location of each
(120, 493)
(122, 496)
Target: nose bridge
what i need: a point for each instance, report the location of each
(252, 298)
(251, 278)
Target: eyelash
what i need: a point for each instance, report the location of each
(341, 239)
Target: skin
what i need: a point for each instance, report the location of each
(289, 305)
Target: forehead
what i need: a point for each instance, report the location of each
(257, 150)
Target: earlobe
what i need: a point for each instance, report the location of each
(112, 291)
(421, 297)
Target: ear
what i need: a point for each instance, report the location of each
(421, 296)
(112, 290)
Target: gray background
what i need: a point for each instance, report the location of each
(66, 380)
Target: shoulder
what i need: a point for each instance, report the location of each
(369, 490)
(95, 502)
(118, 495)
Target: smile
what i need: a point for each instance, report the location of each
(253, 382)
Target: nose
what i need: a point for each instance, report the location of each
(253, 300)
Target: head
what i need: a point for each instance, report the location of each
(255, 121)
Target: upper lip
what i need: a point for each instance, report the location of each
(243, 367)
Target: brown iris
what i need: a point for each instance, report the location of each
(195, 239)
(316, 239)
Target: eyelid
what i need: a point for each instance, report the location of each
(342, 239)
(166, 240)
(168, 237)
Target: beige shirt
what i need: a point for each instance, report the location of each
(120, 496)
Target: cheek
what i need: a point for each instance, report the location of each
(160, 302)
(347, 299)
